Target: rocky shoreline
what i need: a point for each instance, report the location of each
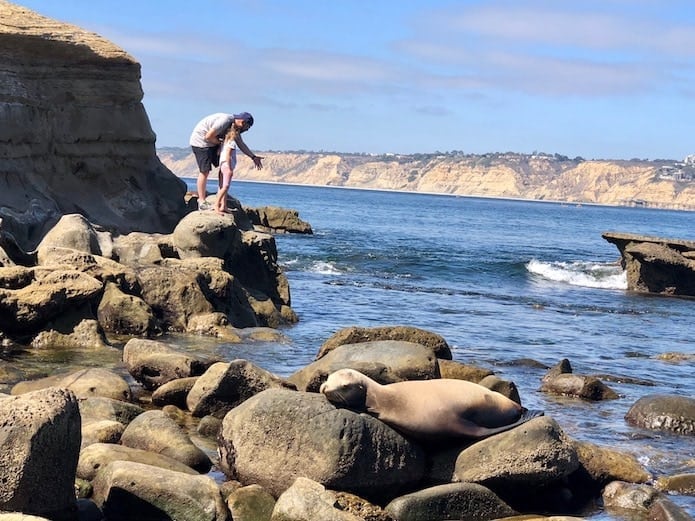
(197, 438)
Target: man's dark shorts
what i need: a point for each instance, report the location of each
(206, 158)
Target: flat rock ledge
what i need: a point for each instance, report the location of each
(656, 265)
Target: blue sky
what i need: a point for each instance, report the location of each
(612, 79)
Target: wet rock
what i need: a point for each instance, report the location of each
(154, 431)
(85, 383)
(356, 335)
(273, 219)
(452, 501)
(631, 500)
(127, 490)
(98, 455)
(679, 483)
(278, 435)
(39, 448)
(560, 380)
(251, 503)
(225, 385)
(664, 412)
(154, 363)
(385, 361)
(461, 371)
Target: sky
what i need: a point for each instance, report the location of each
(606, 79)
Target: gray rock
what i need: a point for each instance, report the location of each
(39, 448)
(385, 361)
(125, 314)
(468, 501)
(307, 500)
(155, 363)
(561, 380)
(356, 335)
(102, 431)
(278, 435)
(98, 455)
(225, 385)
(154, 431)
(664, 412)
(96, 408)
(85, 383)
(174, 392)
(127, 490)
(629, 500)
(72, 231)
(533, 454)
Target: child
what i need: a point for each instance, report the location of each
(227, 164)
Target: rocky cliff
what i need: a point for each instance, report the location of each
(536, 176)
(74, 135)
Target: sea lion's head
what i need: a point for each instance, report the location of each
(346, 388)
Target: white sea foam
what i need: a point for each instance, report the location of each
(324, 268)
(580, 273)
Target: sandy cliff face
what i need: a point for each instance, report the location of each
(74, 135)
(495, 175)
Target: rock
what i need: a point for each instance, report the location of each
(39, 448)
(631, 500)
(79, 332)
(206, 234)
(73, 232)
(154, 363)
(127, 490)
(679, 483)
(530, 455)
(45, 296)
(385, 361)
(560, 380)
(468, 501)
(98, 455)
(656, 265)
(101, 431)
(279, 435)
(137, 248)
(461, 371)
(277, 220)
(154, 431)
(504, 387)
(356, 335)
(81, 140)
(307, 500)
(598, 466)
(125, 314)
(664, 412)
(251, 503)
(85, 383)
(97, 408)
(173, 392)
(225, 385)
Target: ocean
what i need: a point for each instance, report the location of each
(503, 281)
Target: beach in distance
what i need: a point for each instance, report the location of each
(668, 184)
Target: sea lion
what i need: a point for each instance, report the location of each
(428, 409)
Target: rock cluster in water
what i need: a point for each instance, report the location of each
(198, 438)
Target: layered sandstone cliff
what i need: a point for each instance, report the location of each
(74, 135)
(535, 177)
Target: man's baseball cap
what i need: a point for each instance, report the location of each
(248, 118)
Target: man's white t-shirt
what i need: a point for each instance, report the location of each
(220, 122)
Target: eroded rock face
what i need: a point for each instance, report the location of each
(656, 265)
(74, 135)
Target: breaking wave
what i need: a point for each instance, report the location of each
(580, 273)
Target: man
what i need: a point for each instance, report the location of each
(205, 142)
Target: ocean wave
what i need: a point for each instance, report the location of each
(580, 273)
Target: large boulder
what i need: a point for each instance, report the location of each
(128, 490)
(356, 335)
(85, 383)
(279, 435)
(39, 450)
(71, 106)
(225, 385)
(664, 412)
(656, 265)
(385, 361)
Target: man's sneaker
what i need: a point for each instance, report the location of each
(204, 206)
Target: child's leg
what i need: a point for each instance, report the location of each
(221, 201)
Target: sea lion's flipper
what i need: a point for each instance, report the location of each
(526, 415)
